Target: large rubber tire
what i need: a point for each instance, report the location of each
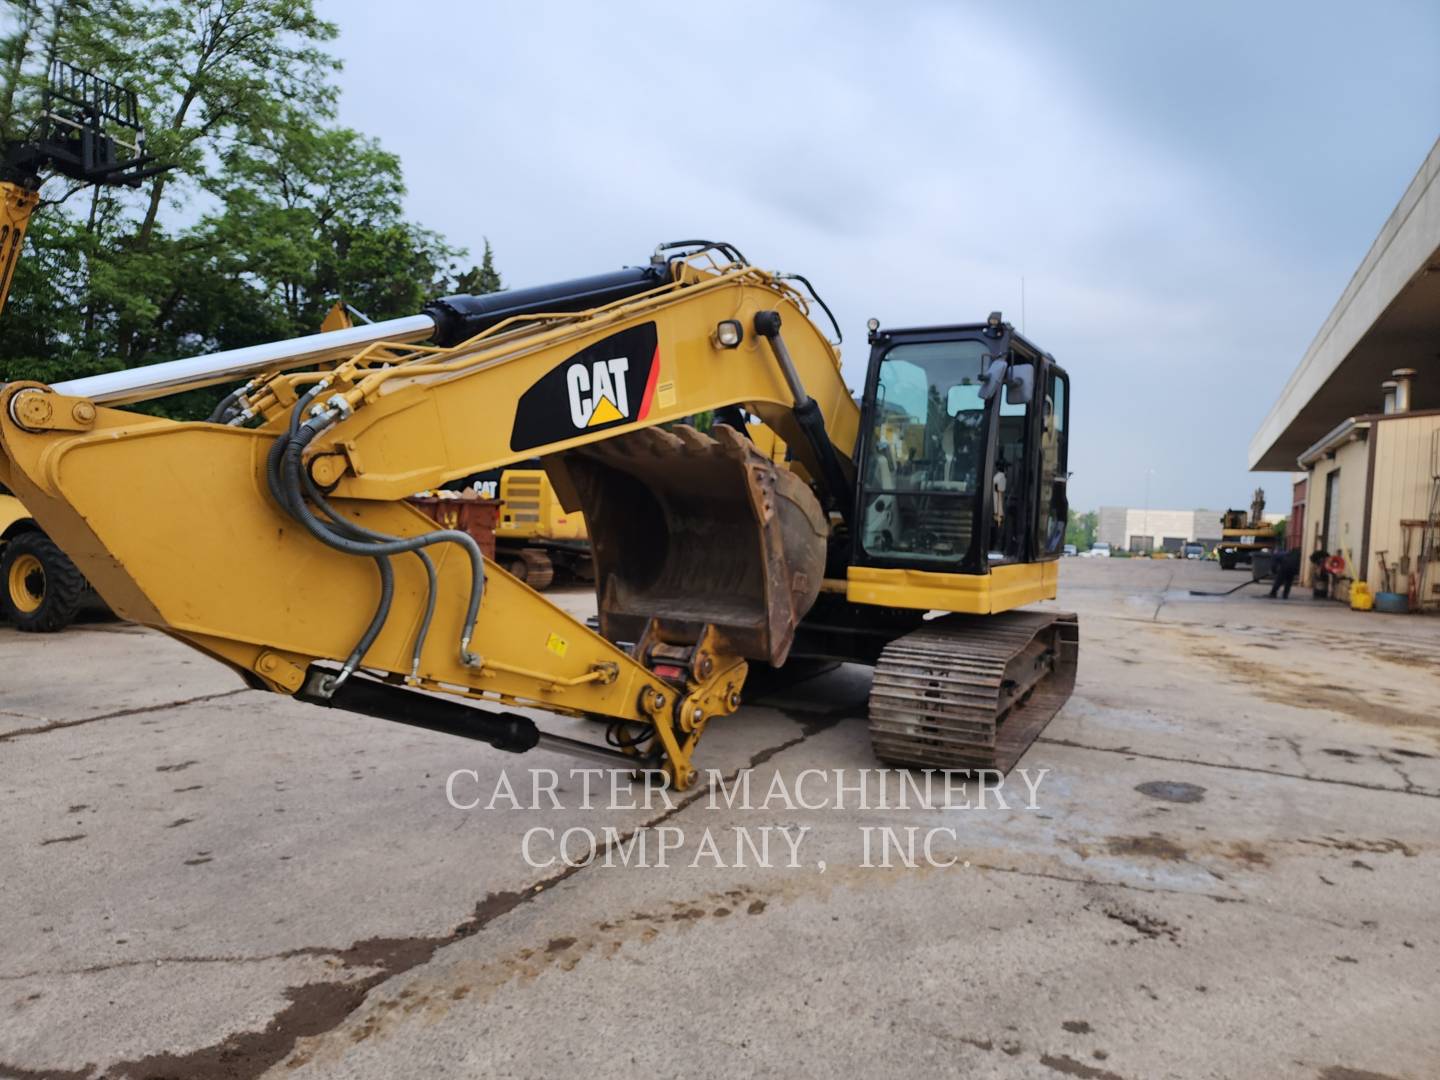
(1227, 561)
(40, 589)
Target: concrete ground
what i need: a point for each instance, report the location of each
(1230, 870)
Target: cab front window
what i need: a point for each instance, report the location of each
(926, 453)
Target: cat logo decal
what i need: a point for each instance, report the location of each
(608, 383)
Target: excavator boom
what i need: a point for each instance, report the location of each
(225, 534)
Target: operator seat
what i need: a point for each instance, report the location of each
(882, 523)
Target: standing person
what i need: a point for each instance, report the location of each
(1319, 579)
(1287, 568)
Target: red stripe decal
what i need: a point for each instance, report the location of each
(650, 383)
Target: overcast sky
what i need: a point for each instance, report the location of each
(1184, 188)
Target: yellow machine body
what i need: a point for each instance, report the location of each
(17, 204)
(1003, 589)
(11, 513)
(530, 509)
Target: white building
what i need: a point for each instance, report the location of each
(1129, 529)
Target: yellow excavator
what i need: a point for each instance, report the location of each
(537, 538)
(902, 531)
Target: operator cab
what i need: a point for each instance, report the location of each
(963, 450)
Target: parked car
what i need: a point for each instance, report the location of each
(1069, 549)
(1193, 551)
(1099, 550)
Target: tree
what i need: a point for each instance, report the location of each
(1080, 529)
(312, 215)
(483, 278)
(270, 212)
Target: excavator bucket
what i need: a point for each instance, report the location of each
(691, 529)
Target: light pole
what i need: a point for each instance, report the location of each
(1148, 474)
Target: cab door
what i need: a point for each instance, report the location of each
(1053, 474)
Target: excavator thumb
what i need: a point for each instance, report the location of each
(691, 529)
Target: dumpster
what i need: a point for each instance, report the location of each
(466, 511)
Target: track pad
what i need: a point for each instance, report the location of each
(690, 529)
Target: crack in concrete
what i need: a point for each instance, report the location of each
(157, 961)
(1294, 745)
(1125, 752)
(1410, 787)
(320, 1007)
(1097, 883)
(61, 725)
(1163, 593)
(1218, 898)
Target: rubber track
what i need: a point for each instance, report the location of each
(945, 696)
(539, 570)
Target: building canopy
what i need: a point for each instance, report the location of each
(1387, 318)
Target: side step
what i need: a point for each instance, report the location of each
(972, 692)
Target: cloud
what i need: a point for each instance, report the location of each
(1137, 169)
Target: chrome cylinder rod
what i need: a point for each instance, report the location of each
(232, 365)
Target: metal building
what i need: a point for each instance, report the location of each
(1360, 415)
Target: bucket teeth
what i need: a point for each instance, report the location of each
(694, 441)
(694, 528)
(730, 439)
(657, 442)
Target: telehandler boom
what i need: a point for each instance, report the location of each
(275, 537)
(87, 131)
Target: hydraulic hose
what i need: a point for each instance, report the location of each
(359, 532)
(377, 622)
(285, 472)
(273, 463)
(221, 413)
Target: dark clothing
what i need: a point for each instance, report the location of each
(1287, 568)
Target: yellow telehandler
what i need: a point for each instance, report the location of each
(41, 591)
(88, 130)
(902, 532)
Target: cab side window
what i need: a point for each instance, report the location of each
(1054, 463)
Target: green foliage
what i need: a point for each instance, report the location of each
(483, 278)
(1080, 529)
(269, 213)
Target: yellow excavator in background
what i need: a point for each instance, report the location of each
(276, 537)
(537, 539)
